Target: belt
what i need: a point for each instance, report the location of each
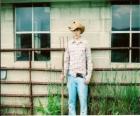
(79, 75)
(76, 74)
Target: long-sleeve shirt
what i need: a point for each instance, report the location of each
(77, 58)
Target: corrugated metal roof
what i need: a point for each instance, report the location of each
(37, 1)
(27, 1)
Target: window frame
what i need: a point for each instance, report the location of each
(32, 32)
(130, 32)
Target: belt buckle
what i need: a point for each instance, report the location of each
(79, 75)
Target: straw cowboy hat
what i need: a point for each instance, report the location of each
(77, 25)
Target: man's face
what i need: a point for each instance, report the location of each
(77, 32)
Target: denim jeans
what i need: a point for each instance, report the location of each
(76, 85)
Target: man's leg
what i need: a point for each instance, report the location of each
(82, 93)
(72, 95)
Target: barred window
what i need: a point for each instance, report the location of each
(125, 33)
(32, 31)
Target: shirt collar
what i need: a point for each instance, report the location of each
(77, 41)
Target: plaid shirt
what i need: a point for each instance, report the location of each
(77, 58)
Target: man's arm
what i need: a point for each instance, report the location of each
(66, 61)
(89, 62)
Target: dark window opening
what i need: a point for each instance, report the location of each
(42, 41)
(135, 43)
(32, 31)
(23, 41)
(120, 40)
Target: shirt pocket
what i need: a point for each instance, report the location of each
(81, 51)
(72, 51)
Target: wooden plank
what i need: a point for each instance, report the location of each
(58, 83)
(54, 94)
(62, 49)
(14, 95)
(59, 70)
(32, 49)
(14, 106)
(30, 82)
(32, 69)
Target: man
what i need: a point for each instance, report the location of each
(77, 68)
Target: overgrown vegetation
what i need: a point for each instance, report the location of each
(127, 103)
(4, 111)
(53, 106)
(115, 99)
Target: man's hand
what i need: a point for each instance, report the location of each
(62, 77)
(87, 81)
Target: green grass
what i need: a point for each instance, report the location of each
(53, 106)
(125, 99)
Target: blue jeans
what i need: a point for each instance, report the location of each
(76, 85)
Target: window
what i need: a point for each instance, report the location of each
(125, 33)
(32, 31)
